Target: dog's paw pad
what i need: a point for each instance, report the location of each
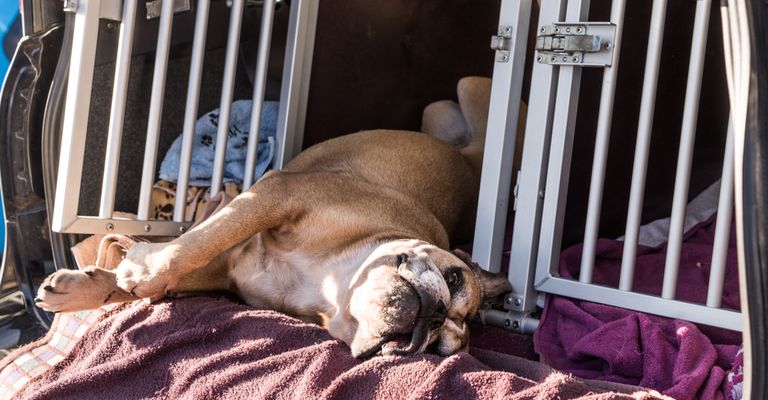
(75, 290)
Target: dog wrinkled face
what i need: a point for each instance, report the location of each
(410, 297)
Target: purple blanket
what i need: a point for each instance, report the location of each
(678, 358)
(202, 348)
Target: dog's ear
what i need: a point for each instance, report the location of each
(493, 284)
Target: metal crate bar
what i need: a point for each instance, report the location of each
(640, 167)
(117, 111)
(155, 108)
(696, 313)
(498, 155)
(227, 89)
(76, 110)
(190, 112)
(605, 117)
(260, 78)
(560, 152)
(685, 156)
(723, 227)
(532, 178)
(299, 48)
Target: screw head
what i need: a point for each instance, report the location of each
(543, 29)
(507, 323)
(575, 59)
(515, 325)
(110, 227)
(608, 45)
(567, 30)
(557, 30)
(554, 59)
(579, 30)
(507, 29)
(540, 59)
(182, 229)
(518, 302)
(504, 58)
(565, 59)
(147, 228)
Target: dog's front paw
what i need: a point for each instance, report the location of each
(148, 270)
(76, 290)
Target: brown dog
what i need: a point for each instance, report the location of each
(352, 234)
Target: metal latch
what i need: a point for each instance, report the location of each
(502, 43)
(153, 7)
(70, 6)
(577, 43)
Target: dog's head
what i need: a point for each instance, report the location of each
(410, 297)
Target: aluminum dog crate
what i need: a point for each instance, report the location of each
(567, 43)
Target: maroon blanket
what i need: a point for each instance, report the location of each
(676, 357)
(203, 348)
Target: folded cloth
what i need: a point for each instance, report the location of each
(678, 358)
(163, 200)
(204, 145)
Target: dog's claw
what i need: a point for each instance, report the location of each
(48, 288)
(37, 299)
(133, 292)
(89, 273)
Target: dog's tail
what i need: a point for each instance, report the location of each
(474, 100)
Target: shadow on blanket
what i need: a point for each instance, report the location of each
(213, 348)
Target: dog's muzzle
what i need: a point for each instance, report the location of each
(432, 311)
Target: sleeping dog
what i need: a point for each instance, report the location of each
(352, 234)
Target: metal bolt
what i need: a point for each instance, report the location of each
(540, 59)
(567, 30)
(516, 325)
(182, 229)
(504, 58)
(565, 59)
(147, 228)
(579, 30)
(508, 299)
(507, 323)
(543, 29)
(608, 45)
(554, 59)
(507, 29)
(557, 30)
(110, 227)
(575, 59)
(110, 26)
(518, 302)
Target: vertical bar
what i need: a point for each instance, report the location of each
(533, 172)
(295, 86)
(77, 108)
(501, 134)
(155, 108)
(117, 112)
(723, 227)
(227, 88)
(260, 78)
(190, 113)
(605, 118)
(685, 156)
(560, 152)
(645, 124)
